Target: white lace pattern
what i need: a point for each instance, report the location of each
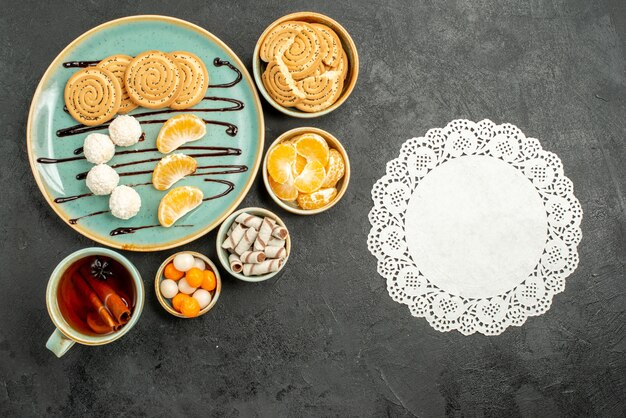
(406, 282)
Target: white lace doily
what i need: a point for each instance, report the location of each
(475, 227)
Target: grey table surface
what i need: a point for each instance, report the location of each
(325, 339)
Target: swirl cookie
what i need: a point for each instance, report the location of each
(93, 96)
(306, 66)
(320, 91)
(117, 64)
(194, 79)
(332, 43)
(304, 52)
(280, 85)
(152, 79)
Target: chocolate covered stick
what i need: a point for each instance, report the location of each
(235, 263)
(275, 252)
(253, 257)
(250, 221)
(279, 232)
(268, 266)
(234, 237)
(265, 233)
(246, 241)
(275, 242)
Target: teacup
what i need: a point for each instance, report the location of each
(66, 335)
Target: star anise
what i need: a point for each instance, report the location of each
(99, 269)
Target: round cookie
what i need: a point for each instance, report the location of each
(304, 52)
(152, 80)
(280, 85)
(320, 92)
(279, 36)
(117, 64)
(194, 79)
(333, 43)
(92, 96)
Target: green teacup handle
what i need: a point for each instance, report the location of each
(59, 343)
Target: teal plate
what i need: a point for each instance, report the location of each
(231, 109)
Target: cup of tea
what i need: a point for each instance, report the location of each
(94, 296)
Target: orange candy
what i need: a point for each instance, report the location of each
(208, 281)
(177, 301)
(171, 272)
(190, 307)
(194, 277)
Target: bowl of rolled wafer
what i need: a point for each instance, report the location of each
(305, 64)
(253, 244)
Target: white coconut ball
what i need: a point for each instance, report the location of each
(98, 148)
(169, 288)
(185, 287)
(102, 179)
(203, 297)
(183, 262)
(125, 131)
(124, 202)
(199, 264)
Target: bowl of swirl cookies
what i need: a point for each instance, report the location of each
(305, 64)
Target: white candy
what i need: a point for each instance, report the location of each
(184, 262)
(203, 297)
(169, 288)
(102, 179)
(98, 148)
(199, 264)
(125, 131)
(185, 287)
(124, 202)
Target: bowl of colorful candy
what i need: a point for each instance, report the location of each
(188, 284)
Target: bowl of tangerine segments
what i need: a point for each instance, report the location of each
(306, 171)
(187, 284)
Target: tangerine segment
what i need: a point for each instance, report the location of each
(190, 307)
(312, 147)
(177, 300)
(317, 199)
(286, 191)
(280, 159)
(335, 170)
(179, 130)
(177, 203)
(172, 168)
(311, 178)
(298, 165)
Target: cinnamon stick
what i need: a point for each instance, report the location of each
(111, 299)
(106, 322)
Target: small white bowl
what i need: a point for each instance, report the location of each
(167, 303)
(223, 254)
(342, 185)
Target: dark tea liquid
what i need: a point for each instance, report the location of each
(76, 293)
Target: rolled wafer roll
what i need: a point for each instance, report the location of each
(152, 79)
(265, 233)
(303, 55)
(276, 242)
(235, 263)
(279, 232)
(267, 266)
(320, 91)
(117, 65)
(275, 252)
(194, 79)
(333, 43)
(246, 241)
(234, 237)
(280, 85)
(277, 38)
(252, 257)
(251, 221)
(93, 96)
